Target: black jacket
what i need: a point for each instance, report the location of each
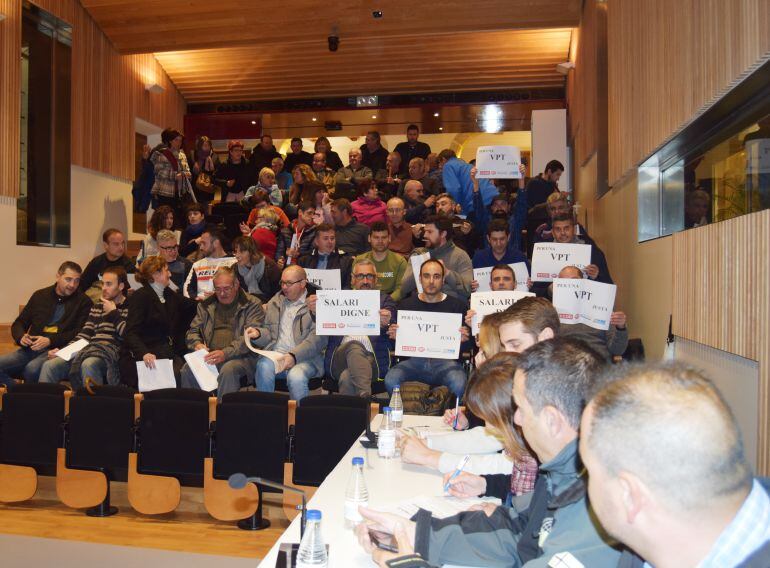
(420, 150)
(337, 259)
(240, 172)
(155, 327)
(96, 266)
(293, 159)
(40, 309)
(263, 159)
(375, 161)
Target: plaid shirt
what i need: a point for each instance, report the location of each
(524, 475)
(747, 532)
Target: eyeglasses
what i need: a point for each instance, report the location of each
(172, 247)
(286, 283)
(364, 276)
(395, 210)
(224, 289)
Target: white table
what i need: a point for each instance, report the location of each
(388, 481)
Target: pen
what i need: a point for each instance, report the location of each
(457, 472)
(457, 413)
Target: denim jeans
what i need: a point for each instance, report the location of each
(229, 378)
(57, 369)
(434, 372)
(23, 363)
(297, 377)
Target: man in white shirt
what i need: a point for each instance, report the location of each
(200, 281)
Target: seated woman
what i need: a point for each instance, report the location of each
(323, 204)
(260, 275)
(368, 208)
(265, 231)
(266, 182)
(162, 218)
(196, 224)
(155, 326)
(302, 174)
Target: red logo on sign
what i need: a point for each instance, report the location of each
(409, 348)
(330, 326)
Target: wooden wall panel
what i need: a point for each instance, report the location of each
(107, 93)
(667, 60)
(721, 299)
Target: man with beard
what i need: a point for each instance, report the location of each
(463, 234)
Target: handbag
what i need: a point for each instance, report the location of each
(204, 183)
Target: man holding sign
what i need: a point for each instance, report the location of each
(498, 251)
(355, 361)
(414, 337)
(326, 255)
(564, 232)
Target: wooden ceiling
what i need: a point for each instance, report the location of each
(228, 51)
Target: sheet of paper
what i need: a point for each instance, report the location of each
(428, 334)
(549, 258)
(442, 506)
(348, 312)
(485, 303)
(274, 356)
(584, 301)
(67, 352)
(172, 286)
(498, 162)
(161, 377)
(204, 373)
(520, 272)
(133, 282)
(328, 279)
(416, 261)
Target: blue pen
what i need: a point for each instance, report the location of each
(457, 472)
(457, 413)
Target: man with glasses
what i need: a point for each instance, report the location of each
(218, 327)
(289, 329)
(325, 254)
(389, 265)
(169, 250)
(401, 236)
(355, 361)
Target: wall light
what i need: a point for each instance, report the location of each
(253, 121)
(2, 16)
(154, 88)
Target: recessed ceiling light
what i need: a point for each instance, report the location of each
(314, 119)
(253, 121)
(374, 116)
(435, 114)
(441, 128)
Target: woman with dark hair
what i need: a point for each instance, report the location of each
(154, 327)
(162, 218)
(235, 175)
(203, 162)
(333, 160)
(368, 208)
(172, 174)
(260, 275)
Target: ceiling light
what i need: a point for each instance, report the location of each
(374, 116)
(314, 119)
(253, 121)
(441, 128)
(435, 114)
(491, 120)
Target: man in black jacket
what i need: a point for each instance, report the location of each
(373, 155)
(326, 255)
(114, 243)
(50, 320)
(262, 155)
(297, 156)
(412, 148)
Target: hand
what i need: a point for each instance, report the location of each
(404, 543)
(52, 353)
(488, 508)
(207, 295)
(385, 522)
(149, 361)
(462, 421)
(146, 152)
(197, 241)
(245, 229)
(107, 306)
(592, 271)
(392, 329)
(230, 183)
(390, 180)
(216, 357)
(529, 283)
(286, 362)
(414, 450)
(252, 333)
(196, 167)
(469, 317)
(480, 358)
(618, 319)
(188, 175)
(281, 263)
(179, 175)
(466, 485)
(312, 302)
(474, 171)
(430, 201)
(292, 252)
(41, 342)
(465, 334)
(385, 317)
(522, 170)
(416, 230)
(326, 199)
(26, 340)
(465, 227)
(474, 285)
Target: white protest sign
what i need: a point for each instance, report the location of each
(66, 353)
(416, 261)
(549, 258)
(498, 162)
(205, 373)
(347, 312)
(579, 300)
(133, 283)
(328, 279)
(485, 303)
(520, 272)
(432, 335)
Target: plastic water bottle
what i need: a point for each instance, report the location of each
(356, 494)
(397, 408)
(386, 438)
(312, 550)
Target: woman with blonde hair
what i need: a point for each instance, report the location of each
(265, 230)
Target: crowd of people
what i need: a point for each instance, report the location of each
(543, 400)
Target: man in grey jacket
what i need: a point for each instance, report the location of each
(218, 327)
(457, 264)
(556, 526)
(289, 331)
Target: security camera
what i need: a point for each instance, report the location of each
(334, 42)
(563, 68)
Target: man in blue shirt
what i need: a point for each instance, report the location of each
(668, 475)
(498, 251)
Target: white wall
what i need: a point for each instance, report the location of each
(98, 203)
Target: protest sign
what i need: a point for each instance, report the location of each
(433, 335)
(549, 258)
(579, 300)
(348, 312)
(498, 162)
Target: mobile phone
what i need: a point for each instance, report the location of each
(383, 540)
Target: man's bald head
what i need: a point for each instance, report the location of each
(571, 272)
(413, 189)
(293, 281)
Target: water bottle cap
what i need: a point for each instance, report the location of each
(386, 409)
(358, 461)
(396, 389)
(313, 515)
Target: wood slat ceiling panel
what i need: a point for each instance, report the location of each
(437, 63)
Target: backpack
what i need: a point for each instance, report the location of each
(419, 398)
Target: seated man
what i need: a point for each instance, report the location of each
(435, 372)
(463, 234)
(417, 171)
(417, 208)
(401, 234)
(389, 265)
(527, 322)
(199, 284)
(387, 179)
(355, 361)
(103, 330)
(501, 279)
(51, 318)
(564, 232)
(557, 526)
(114, 243)
(457, 264)
(179, 266)
(498, 251)
(218, 327)
(609, 343)
(351, 235)
(355, 171)
(558, 204)
(668, 474)
(325, 175)
(289, 329)
(326, 256)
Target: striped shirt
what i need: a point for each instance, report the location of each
(104, 328)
